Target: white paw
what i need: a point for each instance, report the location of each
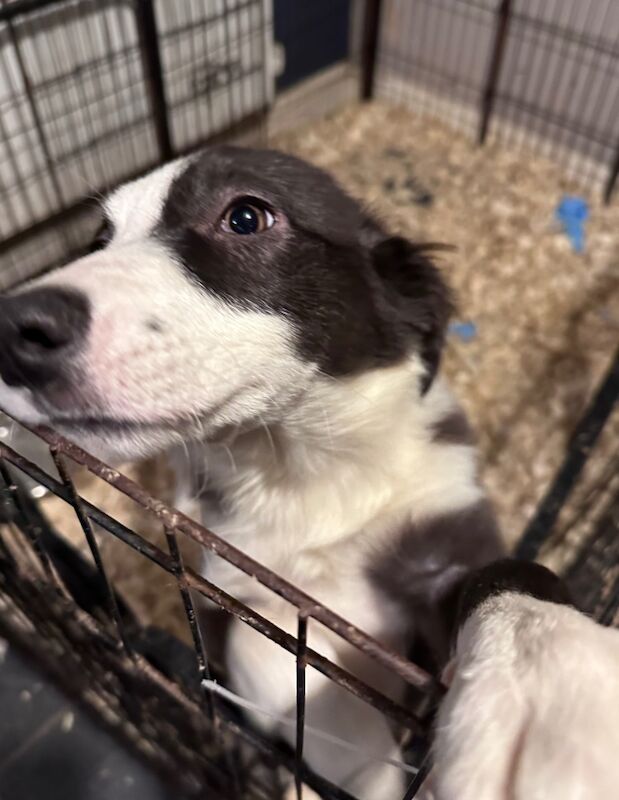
(533, 708)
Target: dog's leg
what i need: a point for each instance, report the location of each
(264, 673)
(533, 706)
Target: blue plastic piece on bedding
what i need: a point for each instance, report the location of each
(465, 331)
(572, 212)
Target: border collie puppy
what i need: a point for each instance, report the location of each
(247, 312)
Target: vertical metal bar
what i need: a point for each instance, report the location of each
(205, 40)
(447, 51)
(417, 782)
(192, 25)
(86, 525)
(301, 649)
(7, 202)
(226, 63)
(190, 613)
(612, 177)
(31, 530)
(79, 48)
(66, 136)
(269, 89)
(369, 47)
(494, 68)
(36, 117)
(246, 56)
(583, 439)
(149, 44)
(116, 56)
(545, 93)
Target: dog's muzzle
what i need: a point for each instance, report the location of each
(41, 332)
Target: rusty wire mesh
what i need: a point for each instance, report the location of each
(175, 728)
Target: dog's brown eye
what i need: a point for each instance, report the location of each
(245, 218)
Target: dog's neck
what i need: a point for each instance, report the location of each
(347, 455)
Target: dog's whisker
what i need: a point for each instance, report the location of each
(269, 436)
(230, 456)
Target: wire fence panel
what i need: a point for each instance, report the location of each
(527, 72)
(35, 584)
(216, 65)
(558, 89)
(94, 92)
(433, 56)
(173, 712)
(78, 99)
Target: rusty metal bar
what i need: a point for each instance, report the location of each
(76, 502)
(114, 527)
(190, 614)
(221, 598)
(288, 642)
(301, 649)
(172, 518)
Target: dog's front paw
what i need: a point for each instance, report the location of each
(532, 712)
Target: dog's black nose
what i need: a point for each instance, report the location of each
(40, 332)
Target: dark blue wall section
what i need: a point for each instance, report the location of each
(315, 34)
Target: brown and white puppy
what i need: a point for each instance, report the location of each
(248, 316)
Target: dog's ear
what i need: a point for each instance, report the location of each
(415, 291)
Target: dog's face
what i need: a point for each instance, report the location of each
(226, 284)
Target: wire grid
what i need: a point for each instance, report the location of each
(432, 56)
(76, 88)
(95, 92)
(214, 57)
(559, 82)
(426, 688)
(593, 575)
(539, 73)
(592, 570)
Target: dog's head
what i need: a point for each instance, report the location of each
(225, 284)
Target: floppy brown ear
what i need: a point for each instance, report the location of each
(417, 293)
